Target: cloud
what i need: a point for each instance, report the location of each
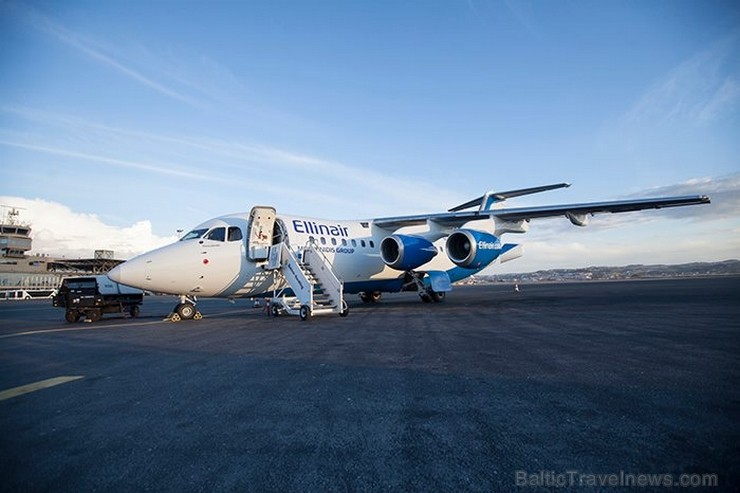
(523, 13)
(162, 169)
(57, 230)
(248, 166)
(201, 83)
(700, 89)
(724, 192)
(100, 53)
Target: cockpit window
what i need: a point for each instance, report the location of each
(235, 233)
(217, 234)
(194, 234)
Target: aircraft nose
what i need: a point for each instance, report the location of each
(116, 273)
(131, 273)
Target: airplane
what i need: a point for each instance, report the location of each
(306, 265)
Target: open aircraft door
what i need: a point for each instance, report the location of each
(261, 225)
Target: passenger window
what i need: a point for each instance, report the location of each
(362, 243)
(354, 243)
(235, 234)
(344, 242)
(218, 234)
(372, 244)
(334, 241)
(323, 240)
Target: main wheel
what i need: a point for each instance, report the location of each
(185, 310)
(275, 311)
(438, 296)
(375, 297)
(134, 311)
(425, 297)
(305, 312)
(365, 297)
(94, 315)
(72, 316)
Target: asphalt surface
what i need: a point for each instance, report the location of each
(472, 394)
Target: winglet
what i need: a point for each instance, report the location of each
(484, 202)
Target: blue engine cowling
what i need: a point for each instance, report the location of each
(405, 252)
(472, 249)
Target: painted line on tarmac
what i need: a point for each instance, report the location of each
(72, 329)
(95, 327)
(33, 387)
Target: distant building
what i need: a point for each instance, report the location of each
(21, 274)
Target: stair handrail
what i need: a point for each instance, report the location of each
(315, 247)
(302, 287)
(324, 271)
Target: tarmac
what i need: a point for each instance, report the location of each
(566, 386)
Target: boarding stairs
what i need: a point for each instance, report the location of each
(310, 276)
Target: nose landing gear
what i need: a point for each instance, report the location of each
(185, 310)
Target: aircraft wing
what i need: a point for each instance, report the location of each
(599, 207)
(575, 212)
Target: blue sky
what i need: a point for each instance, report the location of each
(131, 120)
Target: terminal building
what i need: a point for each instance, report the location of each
(25, 276)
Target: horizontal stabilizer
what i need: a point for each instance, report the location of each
(485, 201)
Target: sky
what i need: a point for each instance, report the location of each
(122, 122)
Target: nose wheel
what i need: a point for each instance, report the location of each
(185, 310)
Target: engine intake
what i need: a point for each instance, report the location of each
(405, 252)
(472, 249)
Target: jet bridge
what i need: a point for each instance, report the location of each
(316, 290)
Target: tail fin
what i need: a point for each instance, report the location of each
(486, 201)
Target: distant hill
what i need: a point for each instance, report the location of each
(638, 271)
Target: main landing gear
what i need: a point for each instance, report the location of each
(371, 297)
(185, 310)
(415, 282)
(427, 296)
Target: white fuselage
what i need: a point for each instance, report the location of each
(219, 265)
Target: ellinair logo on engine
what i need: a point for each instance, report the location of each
(489, 245)
(310, 227)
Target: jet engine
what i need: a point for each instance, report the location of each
(406, 252)
(472, 249)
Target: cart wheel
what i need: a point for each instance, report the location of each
(305, 313)
(275, 311)
(72, 316)
(94, 315)
(345, 309)
(134, 311)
